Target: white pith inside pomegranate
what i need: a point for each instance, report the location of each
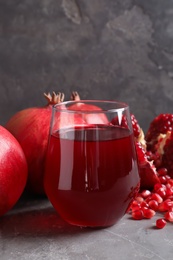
(31, 128)
(13, 171)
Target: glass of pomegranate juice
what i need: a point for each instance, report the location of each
(91, 173)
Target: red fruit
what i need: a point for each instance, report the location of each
(145, 193)
(13, 171)
(147, 170)
(160, 125)
(148, 213)
(92, 118)
(153, 204)
(157, 197)
(137, 215)
(31, 128)
(160, 223)
(169, 216)
(165, 205)
(162, 171)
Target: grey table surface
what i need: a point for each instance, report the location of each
(33, 230)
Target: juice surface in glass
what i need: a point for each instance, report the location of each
(91, 174)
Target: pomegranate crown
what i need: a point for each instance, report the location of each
(54, 98)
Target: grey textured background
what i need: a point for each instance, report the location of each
(105, 49)
(119, 50)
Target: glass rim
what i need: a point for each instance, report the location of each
(62, 107)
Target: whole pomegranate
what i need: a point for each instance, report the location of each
(89, 118)
(13, 170)
(31, 128)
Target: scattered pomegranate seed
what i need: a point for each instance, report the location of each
(167, 177)
(135, 208)
(162, 179)
(139, 199)
(138, 214)
(169, 191)
(148, 213)
(145, 193)
(160, 199)
(144, 204)
(158, 186)
(157, 197)
(153, 204)
(160, 223)
(170, 181)
(162, 192)
(165, 205)
(162, 171)
(169, 216)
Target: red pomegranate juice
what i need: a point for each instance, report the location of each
(91, 174)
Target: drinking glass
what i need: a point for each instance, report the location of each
(91, 173)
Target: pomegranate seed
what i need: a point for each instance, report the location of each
(145, 193)
(139, 199)
(148, 198)
(168, 185)
(169, 204)
(162, 179)
(165, 205)
(169, 191)
(169, 216)
(153, 204)
(138, 214)
(171, 208)
(162, 171)
(144, 204)
(161, 192)
(170, 181)
(134, 203)
(157, 162)
(157, 197)
(149, 155)
(160, 223)
(148, 213)
(135, 207)
(170, 197)
(158, 186)
(167, 177)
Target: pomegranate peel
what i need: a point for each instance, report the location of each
(13, 171)
(147, 170)
(31, 128)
